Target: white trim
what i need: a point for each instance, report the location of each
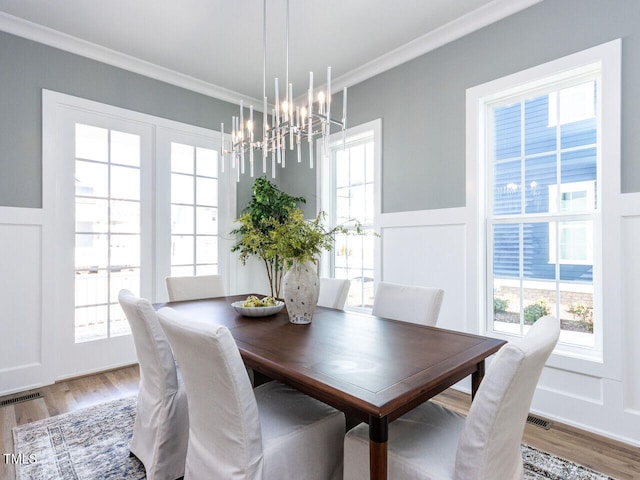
(54, 38)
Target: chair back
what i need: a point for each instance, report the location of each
(158, 374)
(194, 288)
(225, 439)
(333, 292)
(489, 446)
(408, 303)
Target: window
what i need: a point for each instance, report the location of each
(194, 212)
(348, 187)
(542, 136)
(107, 233)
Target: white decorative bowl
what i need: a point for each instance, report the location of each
(257, 311)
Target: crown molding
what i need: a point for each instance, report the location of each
(479, 18)
(472, 21)
(53, 38)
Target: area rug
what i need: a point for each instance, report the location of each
(93, 443)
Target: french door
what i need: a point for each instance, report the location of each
(137, 198)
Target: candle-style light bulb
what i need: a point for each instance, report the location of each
(222, 147)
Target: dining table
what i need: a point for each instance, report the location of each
(373, 369)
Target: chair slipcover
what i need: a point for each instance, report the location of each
(408, 303)
(333, 292)
(161, 428)
(194, 288)
(272, 432)
(431, 442)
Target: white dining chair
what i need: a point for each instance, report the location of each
(161, 427)
(194, 288)
(333, 292)
(432, 442)
(408, 303)
(272, 432)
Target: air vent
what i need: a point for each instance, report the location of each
(540, 422)
(22, 398)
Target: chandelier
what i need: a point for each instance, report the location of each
(291, 125)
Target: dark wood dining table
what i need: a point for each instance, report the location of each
(373, 369)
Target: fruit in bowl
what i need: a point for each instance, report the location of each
(253, 301)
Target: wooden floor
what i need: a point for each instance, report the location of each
(616, 459)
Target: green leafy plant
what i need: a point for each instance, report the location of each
(500, 305)
(273, 228)
(268, 210)
(304, 240)
(535, 311)
(582, 314)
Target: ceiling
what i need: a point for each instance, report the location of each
(219, 42)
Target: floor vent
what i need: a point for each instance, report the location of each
(540, 422)
(22, 398)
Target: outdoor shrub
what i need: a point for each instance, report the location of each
(500, 305)
(536, 310)
(582, 313)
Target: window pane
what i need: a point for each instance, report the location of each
(182, 189)
(358, 203)
(206, 249)
(125, 251)
(207, 220)
(536, 261)
(507, 189)
(368, 149)
(125, 148)
(91, 179)
(125, 183)
(91, 251)
(182, 250)
(539, 300)
(91, 287)
(506, 305)
(540, 173)
(182, 271)
(206, 162)
(91, 323)
(125, 217)
(91, 142)
(92, 215)
(206, 191)
(576, 307)
(579, 166)
(206, 269)
(343, 205)
(182, 219)
(181, 158)
(357, 164)
(506, 132)
(539, 135)
(342, 168)
(506, 251)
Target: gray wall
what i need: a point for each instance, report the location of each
(27, 67)
(422, 102)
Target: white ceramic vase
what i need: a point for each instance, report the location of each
(300, 290)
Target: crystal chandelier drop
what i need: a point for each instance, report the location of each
(290, 126)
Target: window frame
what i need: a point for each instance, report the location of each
(608, 56)
(325, 185)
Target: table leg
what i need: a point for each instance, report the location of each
(476, 378)
(378, 436)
